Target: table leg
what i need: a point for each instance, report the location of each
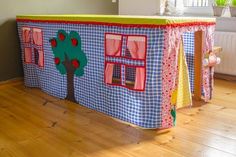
(198, 44)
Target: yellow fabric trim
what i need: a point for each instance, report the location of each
(156, 20)
(174, 97)
(182, 96)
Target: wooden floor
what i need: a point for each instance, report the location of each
(33, 124)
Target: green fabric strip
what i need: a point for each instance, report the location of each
(153, 20)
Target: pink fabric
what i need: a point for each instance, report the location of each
(41, 59)
(28, 55)
(169, 74)
(37, 37)
(137, 48)
(169, 82)
(109, 73)
(113, 46)
(26, 35)
(139, 79)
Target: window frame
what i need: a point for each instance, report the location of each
(123, 64)
(197, 10)
(209, 3)
(31, 45)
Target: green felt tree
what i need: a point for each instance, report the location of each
(69, 58)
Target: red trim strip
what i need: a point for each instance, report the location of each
(118, 24)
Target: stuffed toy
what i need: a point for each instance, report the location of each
(211, 60)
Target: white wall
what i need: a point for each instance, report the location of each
(226, 24)
(139, 7)
(10, 66)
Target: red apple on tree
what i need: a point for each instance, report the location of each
(75, 63)
(62, 37)
(57, 60)
(74, 42)
(53, 43)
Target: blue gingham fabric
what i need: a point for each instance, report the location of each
(117, 71)
(140, 108)
(188, 40)
(130, 73)
(125, 60)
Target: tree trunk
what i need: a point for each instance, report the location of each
(70, 79)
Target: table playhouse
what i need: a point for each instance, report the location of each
(138, 69)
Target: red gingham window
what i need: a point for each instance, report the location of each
(33, 46)
(129, 48)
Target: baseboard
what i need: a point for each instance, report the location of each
(14, 80)
(225, 77)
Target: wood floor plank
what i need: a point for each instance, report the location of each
(34, 124)
(98, 129)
